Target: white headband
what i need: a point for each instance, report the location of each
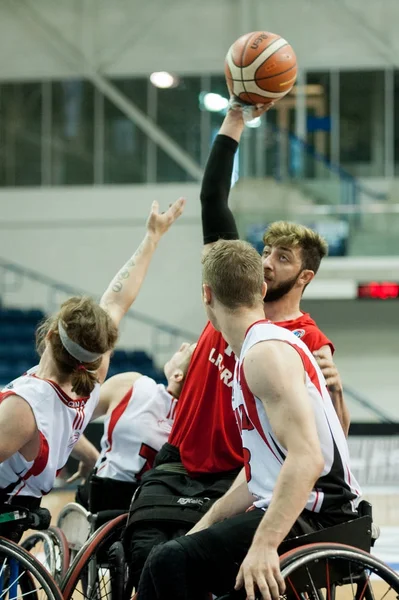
(81, 354)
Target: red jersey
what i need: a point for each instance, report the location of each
(205, 429)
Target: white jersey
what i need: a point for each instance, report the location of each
(60, 421)
(336, 489)
(135, 431)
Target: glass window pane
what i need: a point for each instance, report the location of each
(362, 122)
(20, 134)
(318, 123)
(396, 121)
(72, 140)
(178, 115)
(125, 145)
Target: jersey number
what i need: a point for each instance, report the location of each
(148, 454)
(247, 464)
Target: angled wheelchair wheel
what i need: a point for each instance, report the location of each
(91, 574)
(336, 572)
(40, 545)
(22, 575)
(74, 522)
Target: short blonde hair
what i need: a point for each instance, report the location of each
(233, 270)
(313, 246)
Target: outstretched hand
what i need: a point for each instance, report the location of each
(159, 223)
(249, 111)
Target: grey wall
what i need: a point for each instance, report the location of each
(43, 38)
(366, 337)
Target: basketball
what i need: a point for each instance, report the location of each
(260, 67)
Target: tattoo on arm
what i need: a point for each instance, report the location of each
(124, 273)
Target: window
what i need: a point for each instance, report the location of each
(362, 122)
(125, 144)
(178, 116)
(20, 134)
(72, 133)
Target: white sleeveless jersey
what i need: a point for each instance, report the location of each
(60, 421)
(135, 431)
(336, 489)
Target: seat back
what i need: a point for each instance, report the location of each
(355, 533)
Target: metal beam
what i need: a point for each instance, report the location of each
(79, 64)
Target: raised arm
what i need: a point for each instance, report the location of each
(292, 419)
(217, 219)
(125, 286)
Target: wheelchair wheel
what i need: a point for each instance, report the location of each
(74, 523)
(336, 572)
(21, 575)
(50, 548)
(41, 545)
(90, 574)
(62, 554)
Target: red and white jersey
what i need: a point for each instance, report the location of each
(60, 421)
(205, 430)
(336, 489)
(135, 430)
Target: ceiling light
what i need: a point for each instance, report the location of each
(163, 79)
(214, 102)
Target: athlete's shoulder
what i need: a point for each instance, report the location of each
(306, 329)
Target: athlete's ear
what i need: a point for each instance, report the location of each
(178, 376)
(264, 289)
(306, 277)
(206, 294)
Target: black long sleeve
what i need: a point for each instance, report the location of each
(217, 218)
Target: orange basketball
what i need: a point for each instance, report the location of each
(260, 67)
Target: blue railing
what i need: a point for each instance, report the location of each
(365, 403)
(299, 153)
(157, 326)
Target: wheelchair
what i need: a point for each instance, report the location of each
(21, 574)
(330, 564)
(335, 564)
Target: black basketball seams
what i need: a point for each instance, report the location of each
(242, 56)
(275, 74)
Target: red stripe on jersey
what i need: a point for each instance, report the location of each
(250, 403)
(116, 415)
(41, 460)
(63, 396)
(4, 395)
(308, 366)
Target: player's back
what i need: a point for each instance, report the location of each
(60, 421)
(205, 430)
(135, 430)
(336, 489)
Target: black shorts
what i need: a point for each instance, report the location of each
(209, 561)
(167, 505)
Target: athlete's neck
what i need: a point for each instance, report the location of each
(48, 370)
(234, 326)
(284, 309)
